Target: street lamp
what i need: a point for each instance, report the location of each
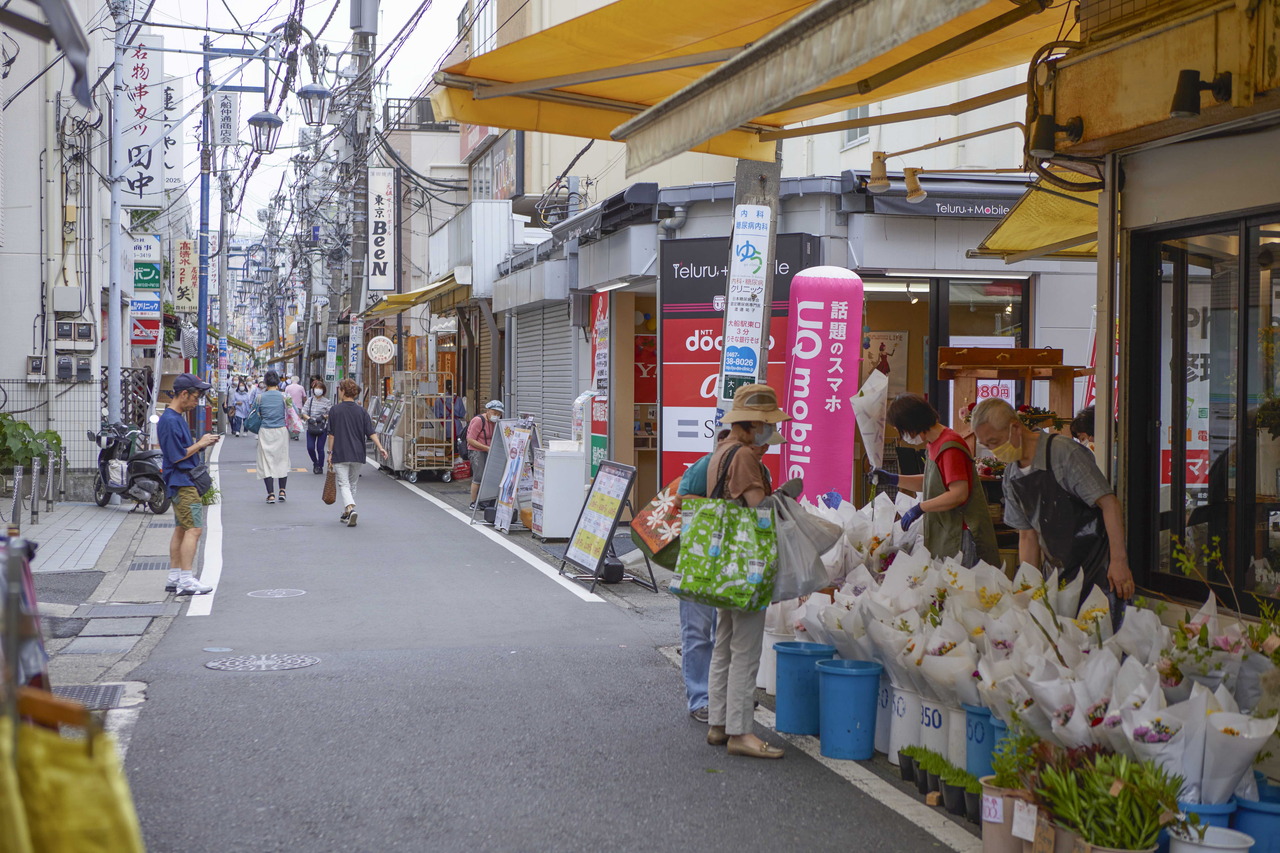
(264, 131)
(315, 103)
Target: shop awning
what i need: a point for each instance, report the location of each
(397, 303)
(289, 353)
(1047, 222)
(587, 76)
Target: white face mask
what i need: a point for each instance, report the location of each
(319, 392)
(494, 418)
(763, 434)
(916, 440)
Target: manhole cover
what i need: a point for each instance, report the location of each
(277, 593)
(217, 649)
(95, 697)
(262, 663)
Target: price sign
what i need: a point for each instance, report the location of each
(381, 349)
(992, 808)
(1024, 820)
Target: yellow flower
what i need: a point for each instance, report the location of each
(979, 631)
(1038, 594)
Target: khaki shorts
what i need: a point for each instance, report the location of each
(478, 459)
(188, 509)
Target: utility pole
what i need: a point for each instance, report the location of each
(364, 24)
(224, 276)
(206, 170)
(120, 12)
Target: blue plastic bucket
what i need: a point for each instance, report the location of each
(1210, 815)
(1001, 731)
(797, 707)
(1261, 819)
(979, 739)
(848, 691)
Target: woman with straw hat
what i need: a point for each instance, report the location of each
(735, 660)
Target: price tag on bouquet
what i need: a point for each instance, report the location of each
(1024, 820)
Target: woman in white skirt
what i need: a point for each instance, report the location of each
(273, 437)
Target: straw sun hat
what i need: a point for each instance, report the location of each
(755, 403)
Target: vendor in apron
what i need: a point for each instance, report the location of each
(1064, 510)
(957, 522)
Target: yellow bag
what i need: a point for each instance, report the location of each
(75, 794)
(14, 834)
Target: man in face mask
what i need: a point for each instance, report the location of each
(1064, 510)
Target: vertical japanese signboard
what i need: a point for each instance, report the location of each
(142, 269)
(355, 348)
(331, 359)
(226, 118)
(172, 101)
(138, 156)
(186, 277)
(598, 443)
(741, 359)
(382, 237)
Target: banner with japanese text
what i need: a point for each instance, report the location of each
(741, 362)
(138, 155)
(824, 332)
(186, 277)
(381, 262)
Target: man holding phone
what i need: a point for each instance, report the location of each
(180, 457)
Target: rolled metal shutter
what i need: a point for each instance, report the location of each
(558, 392)
(528, 367)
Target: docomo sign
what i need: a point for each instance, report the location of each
(825, 335)
(381, 349)
(707, 340)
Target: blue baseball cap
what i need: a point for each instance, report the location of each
(188, 382)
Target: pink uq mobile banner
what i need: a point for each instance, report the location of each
(824, 335)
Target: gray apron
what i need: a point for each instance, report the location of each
(965, 530)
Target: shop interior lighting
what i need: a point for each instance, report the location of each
(915, 192)
(613, 286)
(879, 181)
(918, 274)
(914, 298)
(1186, 97)
(1043, 135)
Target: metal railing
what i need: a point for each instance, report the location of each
(68, 409)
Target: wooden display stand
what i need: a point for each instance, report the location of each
(966, 365)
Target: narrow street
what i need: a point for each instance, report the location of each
(462, 701)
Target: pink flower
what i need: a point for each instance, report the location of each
(1226, 644)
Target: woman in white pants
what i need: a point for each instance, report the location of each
(349, 427)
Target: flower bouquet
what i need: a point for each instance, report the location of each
(1232, 743)
(1173, 738)
(1035, 417)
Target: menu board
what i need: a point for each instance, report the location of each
(600, 515)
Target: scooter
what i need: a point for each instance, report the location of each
(125, 470)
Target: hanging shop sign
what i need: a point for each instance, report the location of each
(331, 359)
(380, 262)
(741, 359)
(824, 331)
(942, 207)
(692, 277)
(381, 349)
(226, 118)
(172, 105)
(355, 345)
(499, 171)
(598, 446)
(146, 333)
(186, 277)
(138, 153)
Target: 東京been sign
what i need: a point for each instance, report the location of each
(742, 359)
(381, 262)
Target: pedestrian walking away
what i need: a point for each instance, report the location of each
(297, 395)
(316, 414)
(957, 521)
(241, 401)
(1063, 508)
(735, 660)
(273, 437)
(181, 458)
(349, 428)
(479, 439)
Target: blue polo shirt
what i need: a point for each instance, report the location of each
(174, 437)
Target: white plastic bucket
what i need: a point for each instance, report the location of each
(884, 702)
(767, 677)
(957, 737)
(934, 727)
(904, 725)
(1216, 838)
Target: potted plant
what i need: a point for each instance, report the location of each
(953, 782)
(973, 799)
(1190, 835)
(921, 758)
(907, 764)
(19, 444)
(1111, 801)
(1011, 758)
(933, 770)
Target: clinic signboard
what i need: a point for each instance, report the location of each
(692, 283)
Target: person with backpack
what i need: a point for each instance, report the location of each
(479, 438)
(316, 414)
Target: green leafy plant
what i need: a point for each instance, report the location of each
(211, 497)
(1111, 800)
(972, 785)
(1013, 757)
(1268, 416)
(19, 443)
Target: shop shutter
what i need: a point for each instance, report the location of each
(485, 342)
(544, 369)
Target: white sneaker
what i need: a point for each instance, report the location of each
(191, 586)
(351, 519)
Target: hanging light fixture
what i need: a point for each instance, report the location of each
(315, 103)
(914, 298)
(1186, 97)
(264, 129)
(915, 192)
(879, 181)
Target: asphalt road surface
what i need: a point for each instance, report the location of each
(463, 701)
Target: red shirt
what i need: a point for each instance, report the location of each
(480, 429)
(954, 463)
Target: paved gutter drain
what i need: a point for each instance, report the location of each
(161, 524)
(262, 663)
(100, 611)
(95, 697)
(277, 593)
(148, 565)
(217, 649)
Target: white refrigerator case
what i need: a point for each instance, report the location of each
(558, 492)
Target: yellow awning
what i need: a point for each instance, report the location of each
(1048, 221)
(289, 353)
(588, 75)
(397, 303)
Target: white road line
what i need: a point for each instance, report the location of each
(573, 586)
(202, 605)
(925, 817)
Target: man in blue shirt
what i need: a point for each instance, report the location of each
(180, 456)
